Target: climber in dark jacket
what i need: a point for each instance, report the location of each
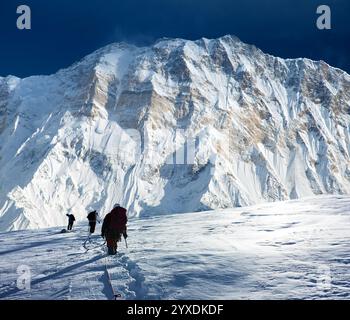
(113, 227)
(71, 220)
(93, 218)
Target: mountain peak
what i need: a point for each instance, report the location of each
(175, 127)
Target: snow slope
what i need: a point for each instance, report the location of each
(296, 249)
(176, 127)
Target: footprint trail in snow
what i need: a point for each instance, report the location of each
(286, 250)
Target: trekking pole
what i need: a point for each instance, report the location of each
(126, 243)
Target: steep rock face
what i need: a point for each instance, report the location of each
(179, 126)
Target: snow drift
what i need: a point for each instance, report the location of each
(178, 126)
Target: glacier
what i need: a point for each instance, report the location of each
(179, 126)
(296, 249)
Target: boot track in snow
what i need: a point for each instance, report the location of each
(89, 245)
(116, 295)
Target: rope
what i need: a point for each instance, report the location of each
(94, 247)
(84, 244)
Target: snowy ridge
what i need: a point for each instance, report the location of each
(103, 131)
(296, 249)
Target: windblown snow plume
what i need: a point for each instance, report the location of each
(176, 127)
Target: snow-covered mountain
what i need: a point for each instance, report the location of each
(296, 249)
(117, 126)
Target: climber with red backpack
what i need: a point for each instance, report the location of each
(113, 227)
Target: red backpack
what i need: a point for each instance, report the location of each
(118, 219)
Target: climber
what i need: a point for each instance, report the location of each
(71, 220)
(113, 227)
(93, 218)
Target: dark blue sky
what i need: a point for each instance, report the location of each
(64, 31)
